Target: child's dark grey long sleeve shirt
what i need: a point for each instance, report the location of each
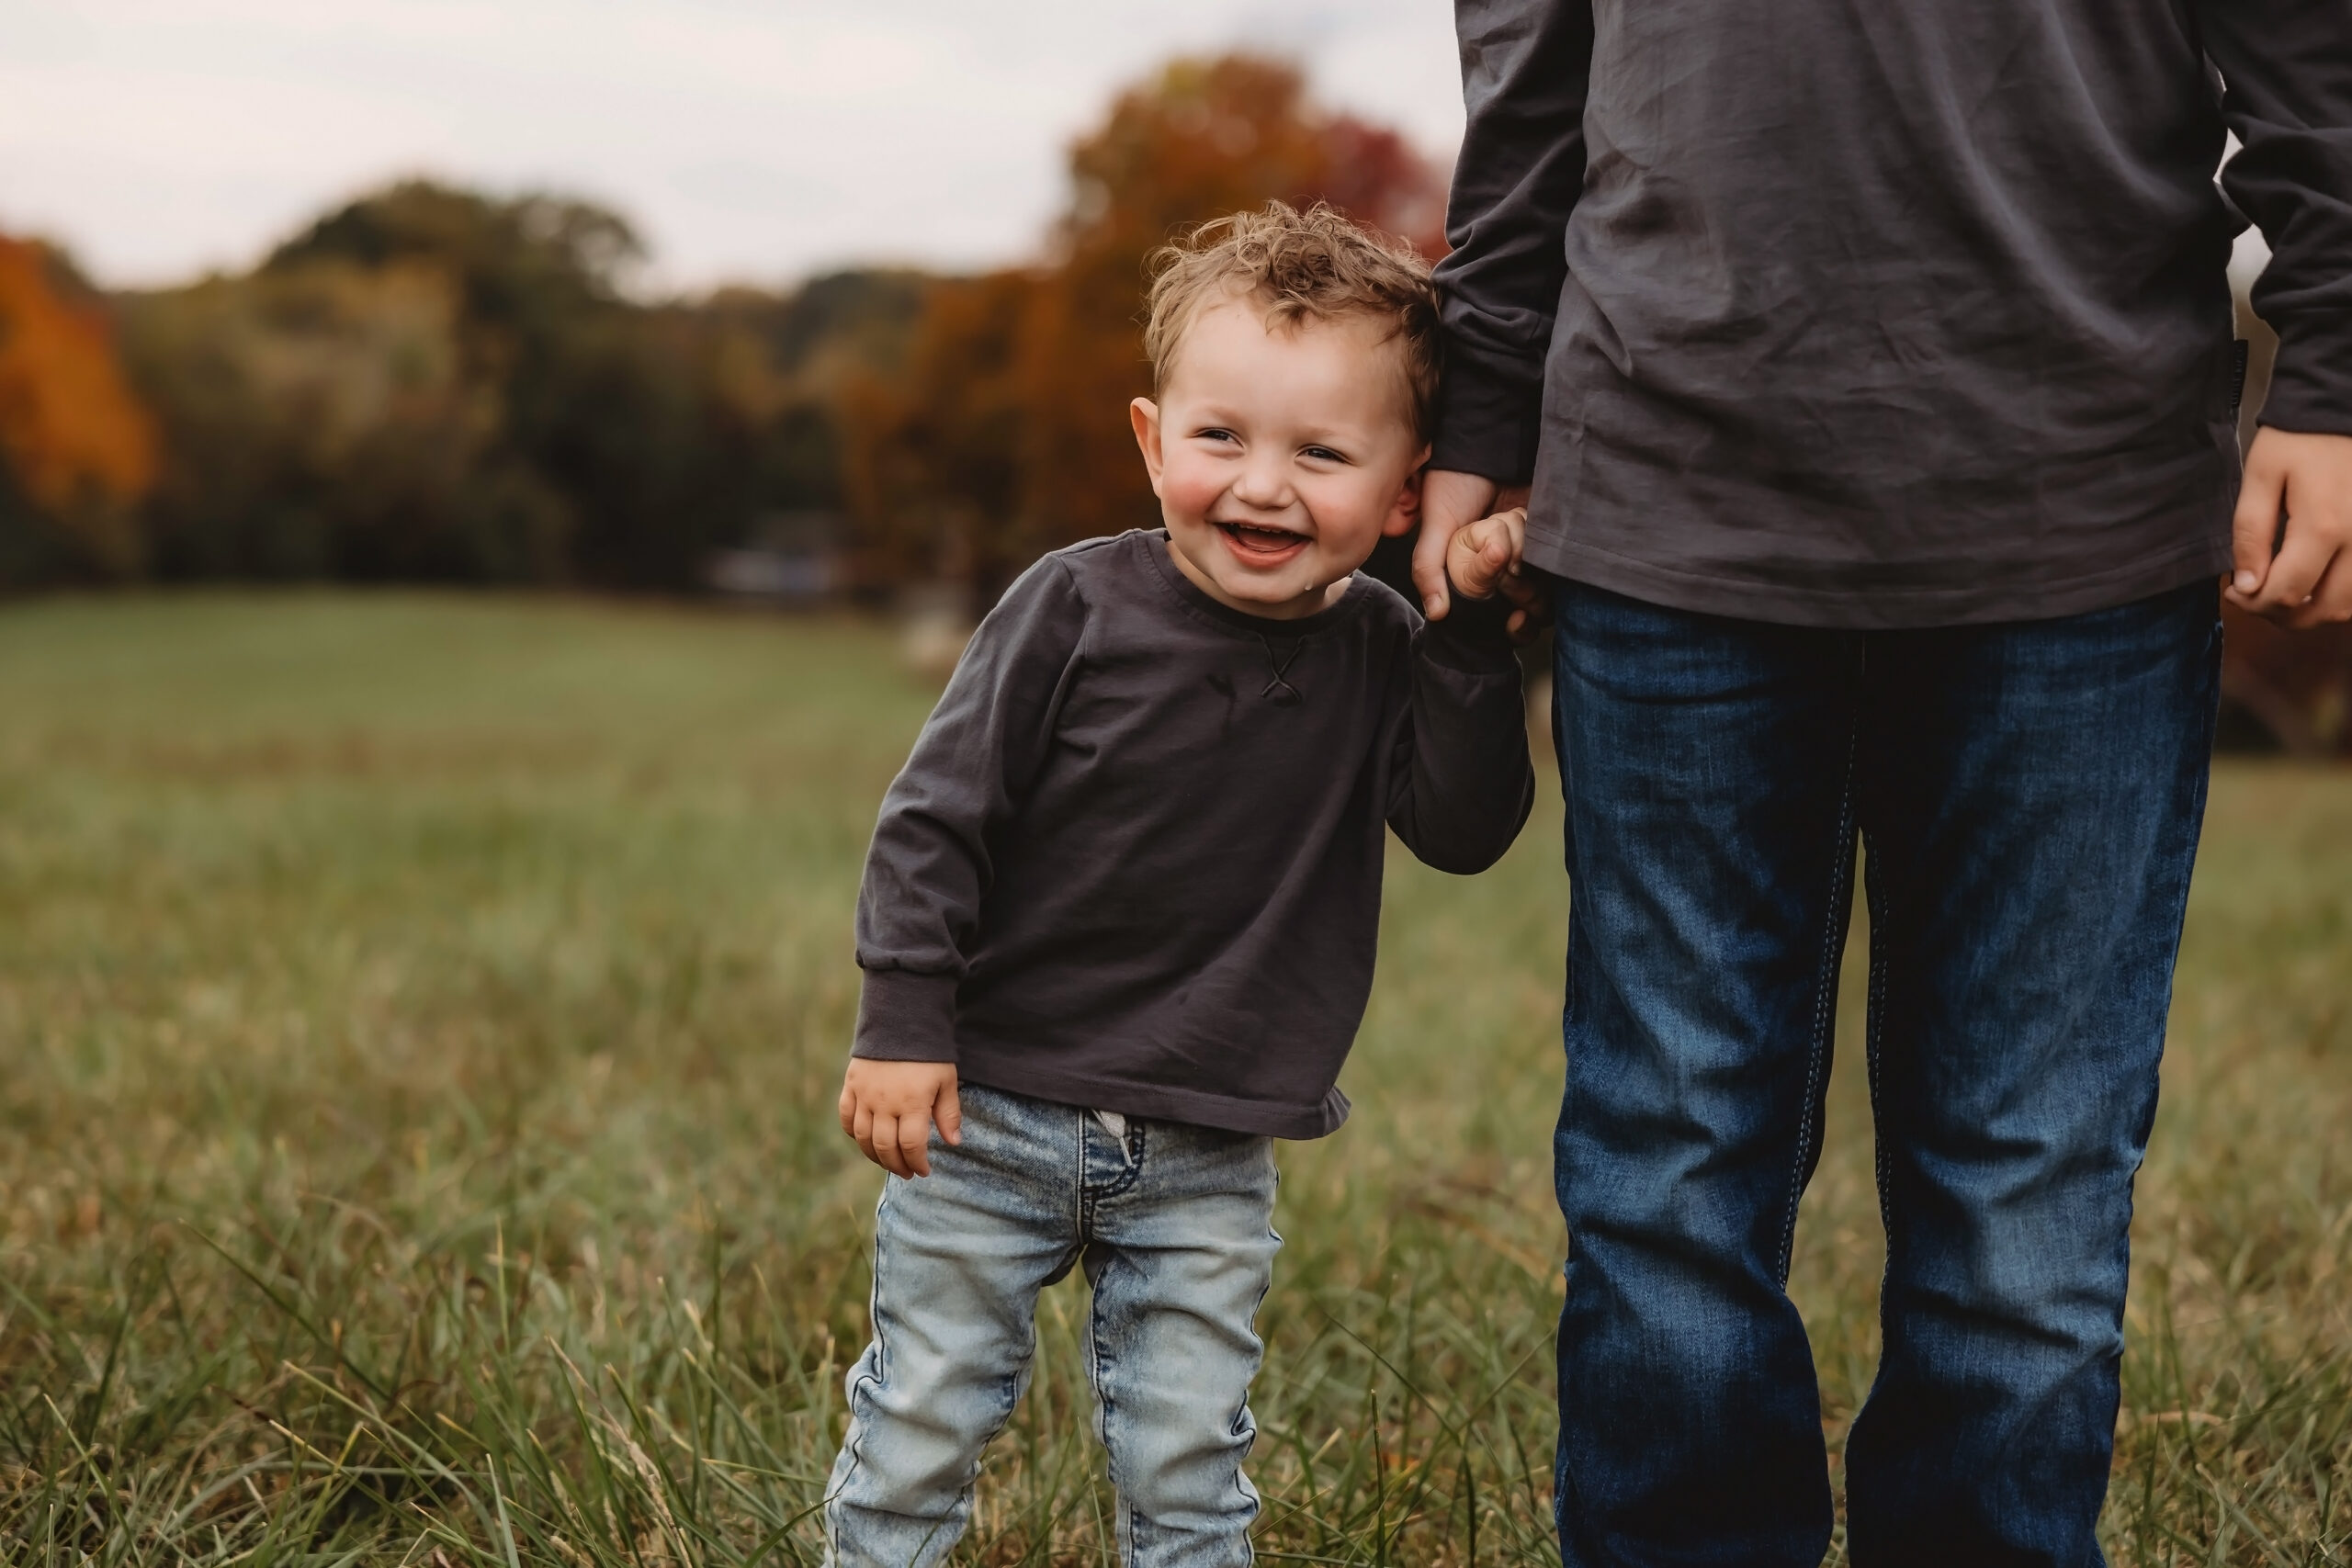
(1134, 862)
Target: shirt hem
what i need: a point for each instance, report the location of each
(1876, 608)
(1158, 1102)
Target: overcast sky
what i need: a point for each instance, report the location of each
(751, 140)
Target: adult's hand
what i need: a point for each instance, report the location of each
(2303, 578)
(1450, 500)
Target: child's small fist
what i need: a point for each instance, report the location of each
(1484, 553)
(888, 1108)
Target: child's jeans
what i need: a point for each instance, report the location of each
(1173, 1226)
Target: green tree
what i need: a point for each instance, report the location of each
(433, 383)
(328, 421)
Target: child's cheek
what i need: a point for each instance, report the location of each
(1187, 492)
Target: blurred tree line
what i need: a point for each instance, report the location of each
(432, 384)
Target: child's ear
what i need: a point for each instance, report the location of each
(1403, 516)
(1144, 415)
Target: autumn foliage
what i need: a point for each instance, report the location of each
(1010, 436)
(76, 448)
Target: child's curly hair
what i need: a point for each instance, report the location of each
(1298, 264)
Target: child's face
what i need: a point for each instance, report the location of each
(1280, 455)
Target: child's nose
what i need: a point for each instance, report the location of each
(1262, 485)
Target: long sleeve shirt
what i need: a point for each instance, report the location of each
(1134, 862)
(1888, 315)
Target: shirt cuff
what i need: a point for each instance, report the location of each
(906, 1017)
(1486, 423)
(1472, 638)
(2311, 384)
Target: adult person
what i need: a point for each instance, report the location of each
(1872, 368)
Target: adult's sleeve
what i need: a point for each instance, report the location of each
(931, 861)
(1460, 782)
(2287, 93)
(1525, 67)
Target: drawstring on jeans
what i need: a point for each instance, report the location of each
(1279, 690)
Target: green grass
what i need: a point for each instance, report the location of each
(419, 1026)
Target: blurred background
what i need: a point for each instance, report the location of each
(489, 490)
(850, 310)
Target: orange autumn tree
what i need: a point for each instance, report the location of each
(1009, 437)
(76, 447)
(932, 463)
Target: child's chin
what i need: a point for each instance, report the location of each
(1279, 585)
(1281, 601)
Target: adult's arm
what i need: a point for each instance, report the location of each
(931, 862)
(2287, 93)
(1525, 65)
(1460, 782)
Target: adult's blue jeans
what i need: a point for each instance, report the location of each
(2028, 799)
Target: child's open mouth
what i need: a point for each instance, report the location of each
(1262, 546)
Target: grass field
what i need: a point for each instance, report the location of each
(419, 1026)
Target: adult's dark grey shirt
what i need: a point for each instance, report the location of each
(1888, 315)
(1134, 863)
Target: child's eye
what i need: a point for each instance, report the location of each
(1216, 432)
(1322, 454)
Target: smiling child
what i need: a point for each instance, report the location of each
(1118, 919)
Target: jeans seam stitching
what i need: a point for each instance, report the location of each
(1240, 1474)
(859, 1384)
(1873, 1034)
(1103, 1407)
(1078, 1120)
(959, 1512)
(1823, 1015)
(1131, 1151)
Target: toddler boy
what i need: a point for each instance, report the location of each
(1118, 919)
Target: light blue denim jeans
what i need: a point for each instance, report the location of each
(1173, 1226)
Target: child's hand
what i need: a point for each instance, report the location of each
(888, 1107)
(1483, 556)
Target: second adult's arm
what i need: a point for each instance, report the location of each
(2287, 93)
(1525, 67)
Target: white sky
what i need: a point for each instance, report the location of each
(749, 140)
